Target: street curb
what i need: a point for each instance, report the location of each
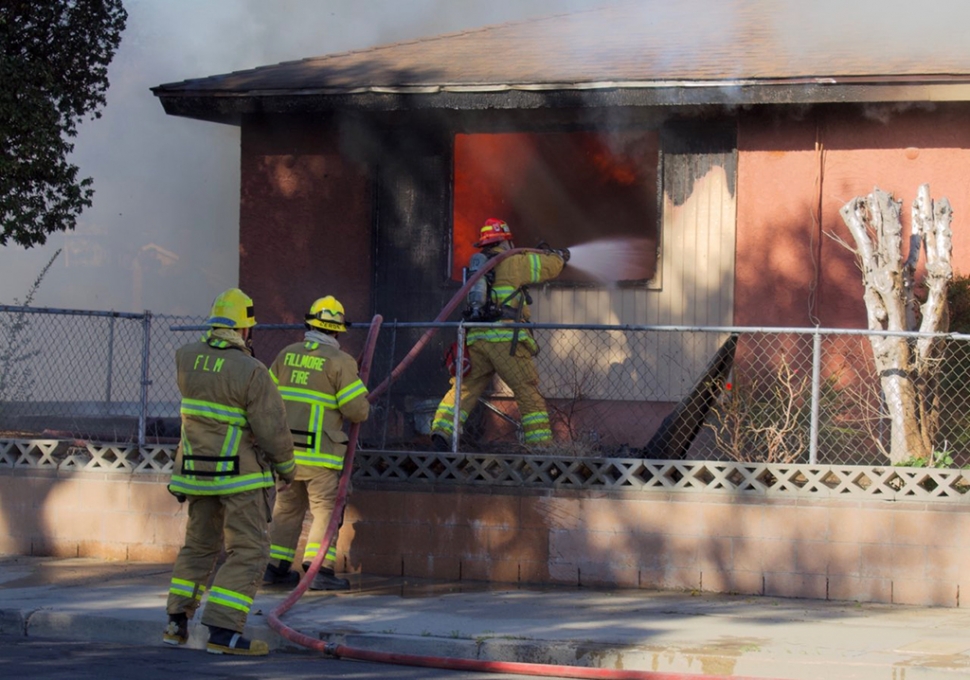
(62, 625)
(58, 625)
(81, 626)
(661, 661)
(588, 655)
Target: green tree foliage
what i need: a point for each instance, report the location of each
(54, 57)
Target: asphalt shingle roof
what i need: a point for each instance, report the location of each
(686, 42)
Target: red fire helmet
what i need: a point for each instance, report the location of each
(494, 231)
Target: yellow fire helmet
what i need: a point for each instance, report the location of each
(232, 309)
(327, 314)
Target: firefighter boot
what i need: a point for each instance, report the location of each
(225, 641)
(177, 630)
(440, 443)
(280, 575)
(327, 580)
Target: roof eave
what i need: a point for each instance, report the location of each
(230, 106)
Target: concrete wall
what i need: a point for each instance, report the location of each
(89, 514)
(840, 550)
(865, 550)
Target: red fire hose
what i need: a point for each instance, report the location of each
(344, 651)
(274, 621)
(366, 356)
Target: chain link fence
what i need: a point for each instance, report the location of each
(102, 376)
(734, 394)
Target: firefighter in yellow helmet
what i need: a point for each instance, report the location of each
(501, 350)
(321, 389)
(234, 441)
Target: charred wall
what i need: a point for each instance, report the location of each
(305, 219)
(361, 206)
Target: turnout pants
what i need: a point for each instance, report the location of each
(315, 488)
(518, 372)
(239, 523)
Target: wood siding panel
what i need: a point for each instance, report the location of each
(697, 270)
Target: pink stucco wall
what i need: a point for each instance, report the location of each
(786, 163)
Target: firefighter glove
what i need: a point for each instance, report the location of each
(563, 253)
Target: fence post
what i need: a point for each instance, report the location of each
(459, 365)
(111, 359)
(816, 396)
(145, 381)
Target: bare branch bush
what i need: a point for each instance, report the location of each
(863, 416)
(566, 413)
(16, 375)
(763, 419)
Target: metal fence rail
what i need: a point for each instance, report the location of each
(749, 395)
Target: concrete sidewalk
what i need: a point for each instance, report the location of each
(84, 599)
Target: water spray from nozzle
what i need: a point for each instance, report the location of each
(620, 258)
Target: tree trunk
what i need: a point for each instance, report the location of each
(908, 370)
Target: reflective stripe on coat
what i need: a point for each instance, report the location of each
(320, 386)
(234, 433)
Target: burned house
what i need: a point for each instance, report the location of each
(726, 134)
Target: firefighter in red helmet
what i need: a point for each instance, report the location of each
(503, 298)
(494, 231)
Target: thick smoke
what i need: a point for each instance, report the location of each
(163, 231)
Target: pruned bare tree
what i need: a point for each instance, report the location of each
(908, 369)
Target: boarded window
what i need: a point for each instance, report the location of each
(564, 188)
